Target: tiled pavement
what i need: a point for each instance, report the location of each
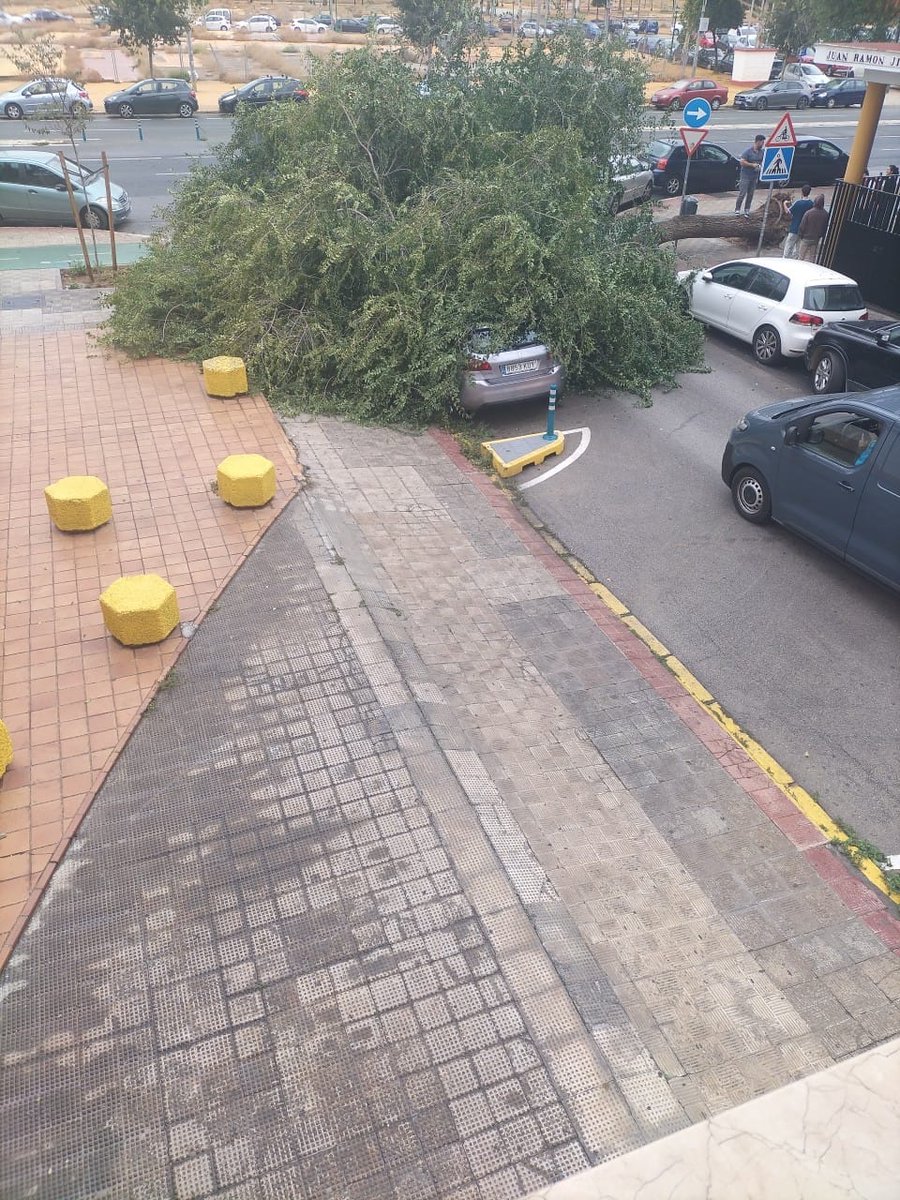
(69, 694)
(419, 880)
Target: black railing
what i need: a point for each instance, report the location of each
(863, 238)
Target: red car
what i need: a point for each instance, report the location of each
(677, 95)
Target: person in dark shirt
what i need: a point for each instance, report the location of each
(795, 211)
(812, 230)
(750, 164)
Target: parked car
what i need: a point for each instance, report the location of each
(151, 98)
(45, 97)
(259, 23)
(808, 72)
(524, 371)
(48, 14)
(775, 304)
(270, 89)
(531, 29)
(633, 182)
(393, 28)
(216, 24)
(782, 93)
(33, 191)
(213, 14)
(713, 168)
(351, 25)
(725, 63)
(817, 161)
(839, 93)
(308, 25)
(324, 18)
(675, 96)
(854, 356)
(827, 469)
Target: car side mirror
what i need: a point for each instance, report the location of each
(883, 338)
(706, 277)
(61, 187)
(792, 435)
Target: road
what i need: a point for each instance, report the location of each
(801, 650)
(150, 156)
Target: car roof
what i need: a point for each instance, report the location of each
(812, 141)
(797, 268)
(41, 157)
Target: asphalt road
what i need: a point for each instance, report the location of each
(150, 156)
(800, 649)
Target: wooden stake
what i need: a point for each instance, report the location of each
(76, 215)
(109, 210)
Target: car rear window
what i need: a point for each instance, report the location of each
(833, 297)
(659, 149)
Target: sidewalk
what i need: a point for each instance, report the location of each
(423, 877)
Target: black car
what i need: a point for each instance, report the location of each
(817, 162)
(263, 91)
(854, 356)
(713, 169)
(779, 93)
(153, 97)
(840, 93)
(352, 25)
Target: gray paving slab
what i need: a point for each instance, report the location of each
(409, 885)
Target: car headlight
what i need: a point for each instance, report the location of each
(743, 424)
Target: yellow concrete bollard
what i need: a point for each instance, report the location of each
(140, 609)
(78, 502)
(224, 376)
(6, 750)
(246, 480)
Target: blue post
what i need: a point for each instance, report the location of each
(84, 133)
(140, 132)
(197, 129)
(550, 435)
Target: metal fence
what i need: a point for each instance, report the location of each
(863, 238)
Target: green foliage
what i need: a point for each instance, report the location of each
(722, 14)
(429, 24)
(346, 247)
(792, 24)
(144, 24)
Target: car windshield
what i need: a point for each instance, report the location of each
(679, 83)
(833, 297)
(80, 174)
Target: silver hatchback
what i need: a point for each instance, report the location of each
(33, 191)
(524, 371)
(44, 97)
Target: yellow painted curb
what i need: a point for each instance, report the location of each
(798, 796)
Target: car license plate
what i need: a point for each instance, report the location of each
(520, 368)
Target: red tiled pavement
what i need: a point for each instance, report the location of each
(70, 694)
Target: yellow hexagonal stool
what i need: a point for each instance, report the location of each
(246, 480)
(224, 376)
(78, 503)
(140, 609)
(6, 750)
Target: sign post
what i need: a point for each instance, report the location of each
(550, 435)
(778, 158)
(696, 114)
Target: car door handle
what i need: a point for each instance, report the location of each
(846, 486)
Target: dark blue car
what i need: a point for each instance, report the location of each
(839, 93)
(828, 469)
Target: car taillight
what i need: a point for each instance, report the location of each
(661, 164)
(193, 94)
(84, 96)
(478, 364)
(805, 318)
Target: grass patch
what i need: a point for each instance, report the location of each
(104, 277)
(856, 848)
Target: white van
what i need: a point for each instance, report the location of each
(218, 18)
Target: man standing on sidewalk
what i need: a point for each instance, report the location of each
(795, 211)
(750, 164)
(812, 230)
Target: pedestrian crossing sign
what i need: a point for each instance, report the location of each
(776, 164)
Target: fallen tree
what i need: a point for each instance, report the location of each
(726, 225)
(729, 225)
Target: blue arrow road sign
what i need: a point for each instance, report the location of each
(776, 164)
(697, 113)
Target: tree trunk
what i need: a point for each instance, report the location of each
(150, 55)
(726, 225)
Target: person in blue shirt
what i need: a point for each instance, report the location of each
(795, 211)
(750, 164)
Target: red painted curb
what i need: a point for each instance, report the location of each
(852, 890)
